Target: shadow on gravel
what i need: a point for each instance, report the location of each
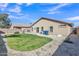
(3, 49)
(70, 47)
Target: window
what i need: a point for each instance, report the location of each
(37, 30)
(28, 30)
(51, 28)
(42, 28)
(32, 28)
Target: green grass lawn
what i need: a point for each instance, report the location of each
(26, 42)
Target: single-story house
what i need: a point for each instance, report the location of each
(51, 26)
(44, 26)
(21, 28)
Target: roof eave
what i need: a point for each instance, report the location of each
(70, 24)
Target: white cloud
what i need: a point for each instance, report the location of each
(16, 9)
(8, 13)
(19, 17)
(73, 18)
(76, 24)
(3, 6)
(20, 14)
(55, 9)
(58, 6)
(24, 19)
(28, 4)
(54, 12)
(19, 3)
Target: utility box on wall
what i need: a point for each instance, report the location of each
(45, 32)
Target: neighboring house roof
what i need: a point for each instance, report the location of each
(70, 24)
(76, 27)
(21, 26)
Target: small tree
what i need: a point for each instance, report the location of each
(4, 21)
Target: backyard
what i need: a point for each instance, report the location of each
(26, 42)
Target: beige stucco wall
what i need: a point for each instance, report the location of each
(13, 30)
(56, 27)
(25, 30)
(8, 31)
(22, 29)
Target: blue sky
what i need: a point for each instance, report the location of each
(25, 13)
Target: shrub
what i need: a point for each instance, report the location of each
(16, 32)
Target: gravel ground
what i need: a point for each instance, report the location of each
(69, 49)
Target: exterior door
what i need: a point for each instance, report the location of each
(37, 30)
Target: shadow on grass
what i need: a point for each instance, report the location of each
(3, 49)
(13, 35)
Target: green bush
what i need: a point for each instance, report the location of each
(16, 33)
